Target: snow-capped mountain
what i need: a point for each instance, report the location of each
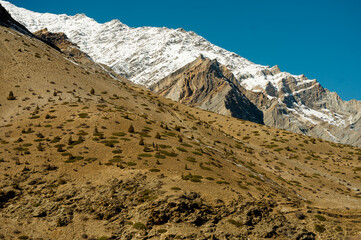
(146, 55)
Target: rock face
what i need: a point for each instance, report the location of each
(72, 51)
(62, 42)
(7, 21)
(294, 103)
(208, 85)
(301, 105)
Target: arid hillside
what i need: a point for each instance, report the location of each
(85, 156)
(225, 82)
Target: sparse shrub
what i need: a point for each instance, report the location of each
(40, 147)
(320, 218)
(169, 154)
(80, 140)
(158, 155)
(83, 115)
(60, 148)
(144, 155)
(11, 96)
(157, 135)
(191, 159)
(109, 143)
(119, 134)
(56, 139)
(222, 182)
(23, 237)
(48, 116)
(197, 153)
(72, 158)
(193, 178)
(49, 167)
(147, 149)
(92, 91)
(40, 135)
(300, 215)
(182, 149)
(139, 226)
(338, 229)
(196, 180)
(103, 238)
(234, 222)
(70, 141)
(319, 228)
(131, 129)
(204, 167)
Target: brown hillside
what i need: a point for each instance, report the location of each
(83, 156)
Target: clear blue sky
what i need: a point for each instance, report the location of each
(318, 38)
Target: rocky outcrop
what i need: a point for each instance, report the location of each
(284, 101)
(300, 105)
(138, 209)
(72, 51)
(62, 42)
(7, 21)
(210, 86)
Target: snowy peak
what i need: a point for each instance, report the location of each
(145, 55)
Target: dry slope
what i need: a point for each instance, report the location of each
(85, 156)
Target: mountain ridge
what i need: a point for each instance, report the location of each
(146, 55)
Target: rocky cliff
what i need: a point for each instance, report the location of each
(300, 105)
(62, 42)
(294, 103)
(206, 84)
(7, 21)
(72, 51)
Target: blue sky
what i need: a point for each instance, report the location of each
(318, 38)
